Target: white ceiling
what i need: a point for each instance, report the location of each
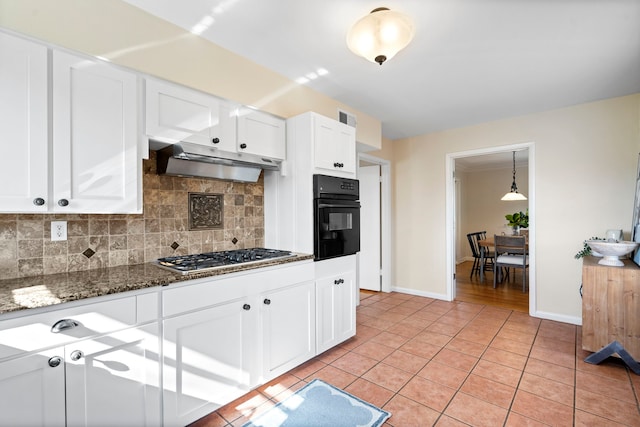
(471, 61)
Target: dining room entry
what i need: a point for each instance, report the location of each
(477, 182)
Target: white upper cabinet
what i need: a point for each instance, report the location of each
(91, 164)
(95, 130)
(261, 134)
(176, 113)
(23, 128)
(334, 146)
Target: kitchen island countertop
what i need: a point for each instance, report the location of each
(41, 291)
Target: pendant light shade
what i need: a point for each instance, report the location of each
(513, 194)
(380, 35)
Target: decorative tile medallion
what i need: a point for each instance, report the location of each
(205, 211)
(88, 253)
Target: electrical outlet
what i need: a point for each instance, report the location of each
(58, 230)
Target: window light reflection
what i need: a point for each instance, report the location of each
(34, 296)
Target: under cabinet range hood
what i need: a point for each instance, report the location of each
(196, 160)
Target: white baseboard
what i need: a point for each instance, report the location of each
(558, 317)
(419, 293)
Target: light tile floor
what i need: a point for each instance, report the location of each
(431, 362)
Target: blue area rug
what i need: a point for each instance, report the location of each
(319, 404)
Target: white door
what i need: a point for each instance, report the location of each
(95, 137)
(114, 379)
(369, 257)
(32, 390)
(261, 134)
(206, 360)
(336, 314)
(288, 328)
(23, 125)
(176, 113)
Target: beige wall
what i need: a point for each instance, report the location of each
(480, 206)
(132, 38)
(585, 165)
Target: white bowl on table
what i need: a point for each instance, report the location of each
(612, 251)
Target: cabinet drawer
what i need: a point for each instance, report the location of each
(206, 292)
(34, 332)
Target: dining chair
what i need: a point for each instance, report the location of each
(475, 250)
(511, 252)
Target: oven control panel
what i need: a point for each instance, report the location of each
(325, 186)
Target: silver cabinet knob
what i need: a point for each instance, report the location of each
(63, 202)
(38, 201)
(55, 361)
(76, 355)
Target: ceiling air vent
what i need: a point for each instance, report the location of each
(347, 118)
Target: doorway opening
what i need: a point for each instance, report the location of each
(482, 210)
(374, 258)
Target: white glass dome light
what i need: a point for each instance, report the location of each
(380, 35)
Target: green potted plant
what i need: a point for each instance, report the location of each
(518, 220)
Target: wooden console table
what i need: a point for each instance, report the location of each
(611, 311)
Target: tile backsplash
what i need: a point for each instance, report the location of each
(26, 248)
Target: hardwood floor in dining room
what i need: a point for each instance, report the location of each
(507, 294)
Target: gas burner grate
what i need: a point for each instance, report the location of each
(209, 260)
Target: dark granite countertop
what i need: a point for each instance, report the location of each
(42, 291)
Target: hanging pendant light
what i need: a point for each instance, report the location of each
(380, 35)
(513, 194)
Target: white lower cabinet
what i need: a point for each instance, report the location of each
(221, 337)
(95, 365)
(108, 380)
(226, 335)
(335, 301)
(114, 379)
(32, 391)
(206, 360)
(288, 328)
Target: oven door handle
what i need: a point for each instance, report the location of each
(341, 205)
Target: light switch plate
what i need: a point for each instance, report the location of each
(58, 230)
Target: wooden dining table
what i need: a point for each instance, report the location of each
(489, 243)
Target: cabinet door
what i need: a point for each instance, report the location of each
(334, 147)
(95, 155)
(175, 113)
(261, 134)
(23, 127)
(206, 360)
(346, 306)
(33, 391)
(335, 302)
(288, 328)
(114, 379)
(346, 147)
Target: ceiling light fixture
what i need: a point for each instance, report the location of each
(513, 194)
(380, 35)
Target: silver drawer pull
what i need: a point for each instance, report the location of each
(64, 324)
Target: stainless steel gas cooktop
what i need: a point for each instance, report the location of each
(186, 264)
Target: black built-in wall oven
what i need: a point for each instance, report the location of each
(336, 215)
